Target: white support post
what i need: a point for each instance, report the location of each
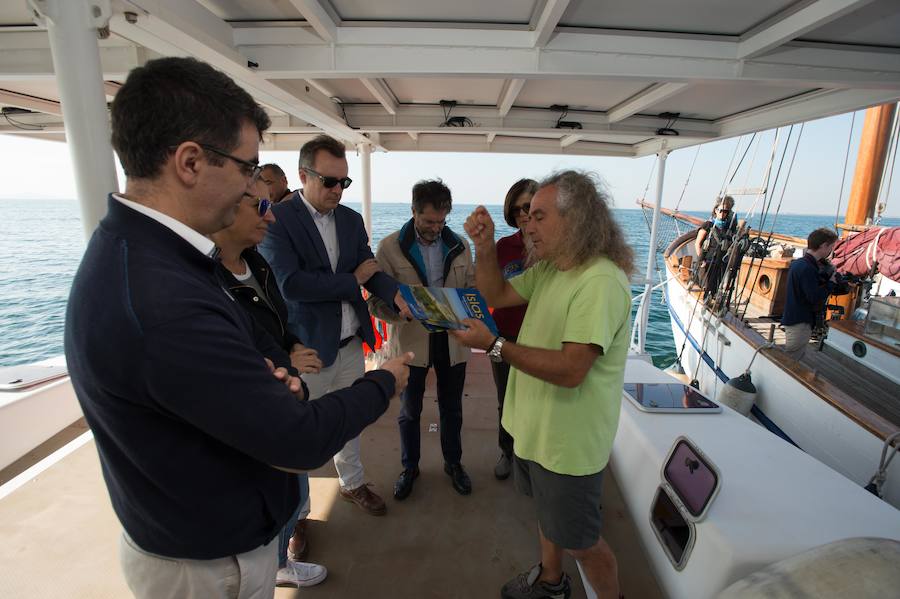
(365, 155)
(72, 27)
(644, 311)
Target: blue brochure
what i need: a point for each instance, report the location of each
(442, 308)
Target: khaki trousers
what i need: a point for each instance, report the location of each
(349, 365)
(796, 339)
(250, 575)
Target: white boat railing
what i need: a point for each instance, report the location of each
(635, 344)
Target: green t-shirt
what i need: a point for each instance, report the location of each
(570, 431)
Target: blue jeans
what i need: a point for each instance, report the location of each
(285, 536)
(450, 383)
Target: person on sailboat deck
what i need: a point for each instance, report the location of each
(319, 251)
(249, 278)
(712, 243)
(512, 258)
(807, 292)
(426, 252)
(199, 436)
(567, 368)
(274, 178)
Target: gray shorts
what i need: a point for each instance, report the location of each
(568, 507)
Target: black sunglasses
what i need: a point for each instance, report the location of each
(250, 169)
(329, 182)
(524, 209)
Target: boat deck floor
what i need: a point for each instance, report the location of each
(60, 535)
(869, 389)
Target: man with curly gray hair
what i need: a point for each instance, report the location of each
(567, 368)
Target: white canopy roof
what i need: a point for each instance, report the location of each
(376, 72)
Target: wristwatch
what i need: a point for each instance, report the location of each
(495, 349)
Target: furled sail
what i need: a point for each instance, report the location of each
(856, 254)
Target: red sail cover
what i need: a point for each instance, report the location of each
(857, 253)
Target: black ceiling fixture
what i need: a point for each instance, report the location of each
(667, 129)
(563, 111)
(447, 107)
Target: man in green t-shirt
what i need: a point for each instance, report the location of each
(567, 367)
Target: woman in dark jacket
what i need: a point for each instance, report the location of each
(512, 258)
(249, 278)
(712, 243)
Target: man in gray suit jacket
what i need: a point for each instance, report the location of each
(320, 254)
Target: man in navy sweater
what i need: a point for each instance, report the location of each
(198, 435)
(807, 291)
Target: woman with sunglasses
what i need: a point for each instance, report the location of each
(512, 255)
(249, 278)
(712, 243)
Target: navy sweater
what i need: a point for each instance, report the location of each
(805, 290)
(186, 417)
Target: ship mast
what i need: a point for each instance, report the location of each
(870, 161)
(873, 149)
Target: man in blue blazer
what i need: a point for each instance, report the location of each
(320, 254)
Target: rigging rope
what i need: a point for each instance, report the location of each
(649, 179)
(753, 159)
(764, 192)
(688, 179)
(762, 221)
(730, 163)
(837, 214)
(728, 283)
(885, 190)
(777, 213)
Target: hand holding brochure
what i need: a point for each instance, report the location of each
(442, 308)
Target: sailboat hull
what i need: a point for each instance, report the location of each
(786, 405)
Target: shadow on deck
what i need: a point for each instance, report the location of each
(61, 536)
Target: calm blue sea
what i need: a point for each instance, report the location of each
(41, 244)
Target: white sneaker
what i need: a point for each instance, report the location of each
(300, 574)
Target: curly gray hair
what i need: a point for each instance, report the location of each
(584, 203)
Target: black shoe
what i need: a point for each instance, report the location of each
(503, 468)
(403, 486)
(461, 481)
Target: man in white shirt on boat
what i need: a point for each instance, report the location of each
(320, 255)
(567, 368)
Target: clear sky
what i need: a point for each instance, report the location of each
(34, 169)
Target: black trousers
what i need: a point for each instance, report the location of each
(450, 383)
(501, 376)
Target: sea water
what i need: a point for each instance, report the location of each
(41, 242)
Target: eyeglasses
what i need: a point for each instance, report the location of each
(263, 206)
(250, 169)
(523, 209)
(329, 182)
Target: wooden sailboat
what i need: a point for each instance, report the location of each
(839, 403)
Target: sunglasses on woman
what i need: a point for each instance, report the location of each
(329, 182)
(263, 206)
(523, 209)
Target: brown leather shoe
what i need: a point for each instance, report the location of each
(298, 546)
(366, 499)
